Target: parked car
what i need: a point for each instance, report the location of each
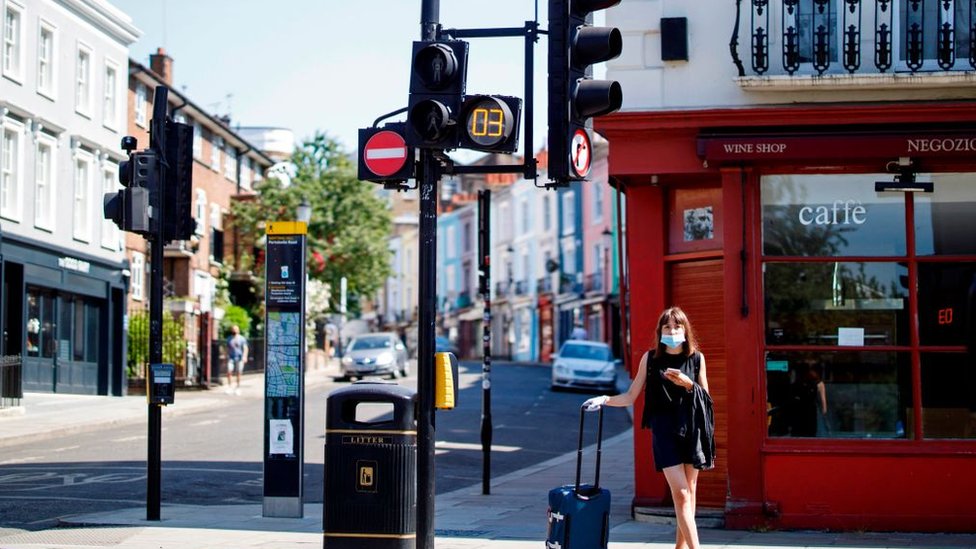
(444, 345)
(587, 364)
(375, 354)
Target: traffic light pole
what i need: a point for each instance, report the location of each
(155, 238)
(427, 181)
(484, 259)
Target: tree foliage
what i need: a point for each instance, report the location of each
(347, 235)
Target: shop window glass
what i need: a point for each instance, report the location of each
(838, 394)
(33, 324)
(944, 220)
(948, 396)
(65, 331)
(836, 303)
(91, 348)
(48, 338)
(947, 303)
(831, 215)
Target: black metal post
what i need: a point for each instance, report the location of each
(484, 257)
(157, 142)
(425, 353)
(427, 183)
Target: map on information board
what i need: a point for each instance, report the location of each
(284, 347)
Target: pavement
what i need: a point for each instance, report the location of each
(512, 516)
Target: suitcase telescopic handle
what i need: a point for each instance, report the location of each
(579, 449)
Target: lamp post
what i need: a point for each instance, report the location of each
(607, 235)
(303, 212)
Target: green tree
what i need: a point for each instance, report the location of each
(347, 235)
(235, 316)
(174, 342)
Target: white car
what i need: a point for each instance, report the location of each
(585, 364)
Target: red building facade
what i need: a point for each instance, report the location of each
(836, 310)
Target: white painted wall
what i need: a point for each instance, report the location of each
(709, 79)
(106, 33)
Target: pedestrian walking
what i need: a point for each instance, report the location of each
(237, 349)
(678, 410)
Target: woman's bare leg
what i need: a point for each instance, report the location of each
(684, 506)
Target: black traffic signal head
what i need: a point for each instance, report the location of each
(490, 123)
(574, 97)
(437, 80)
(130, 208)
(178, 222)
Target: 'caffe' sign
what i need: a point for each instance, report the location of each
(842, 146)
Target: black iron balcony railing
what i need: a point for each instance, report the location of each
(832, 36)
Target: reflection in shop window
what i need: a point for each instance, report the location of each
(838, 395)
(33, 325)
(944, 220)
(947, 303)
(813, 303)
(948, 396)
(831, 215)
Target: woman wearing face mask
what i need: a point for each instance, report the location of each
(678, 411)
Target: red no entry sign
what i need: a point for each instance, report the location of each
(385, 153)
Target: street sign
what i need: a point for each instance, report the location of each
(385, 153)
(580, 153)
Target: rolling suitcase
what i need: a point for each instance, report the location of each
(579, 514)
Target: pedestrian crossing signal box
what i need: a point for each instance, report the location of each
(161, 384)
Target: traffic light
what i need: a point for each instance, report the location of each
(574, 97)
(490, 123)
(178, 222)
(437, 80)
(130, 209)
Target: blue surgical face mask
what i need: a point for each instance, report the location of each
(672, 340)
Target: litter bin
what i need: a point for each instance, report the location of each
(370, 499)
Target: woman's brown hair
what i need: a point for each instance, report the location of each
(679, 317)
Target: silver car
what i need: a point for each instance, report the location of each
(375, 354)
(585, 364)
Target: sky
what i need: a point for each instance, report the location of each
(325, 65)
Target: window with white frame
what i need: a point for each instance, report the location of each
(216, 233)
(11, 169)
(136, 284)
(598, 202)
(44, 182)
(246, 173)
(451, 242)
(82, 202)
(45, 60)
(526, 217)
(111, 238)
(110, 97)
(13, 40)
(546, 213)
(569, 213)
(200, 211)
(142, 98)
(215, 145)
(504, 227)
(197, 140)
(83, 80)
(229, 163)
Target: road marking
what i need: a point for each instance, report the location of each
(445, 445)
(129, 439)
(205, 422)
(66, 448)
(18, 460)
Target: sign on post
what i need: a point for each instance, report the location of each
(284, 397)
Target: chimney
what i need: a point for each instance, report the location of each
(162, 64)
